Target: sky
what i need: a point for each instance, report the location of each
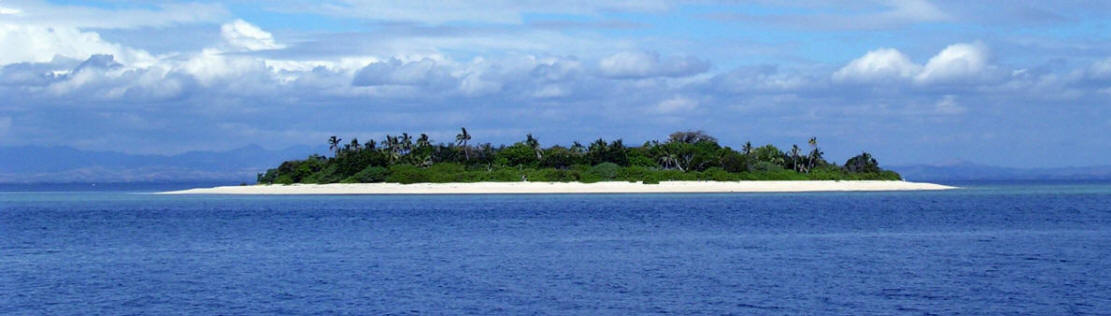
(1007, 83)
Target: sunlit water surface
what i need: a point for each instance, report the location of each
(987, 248)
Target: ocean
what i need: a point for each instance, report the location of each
(988, 248)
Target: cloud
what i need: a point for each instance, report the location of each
(1100, 69)
(42, 44)
(241, 35)
(954, 63)
(961, 62)
(101, 78)
(557, 70)
(878, 65)
(766, 79)
(635, 65)
(10, 11)
(28, 74)
(553, 74)
(948, 105)
(424, 72)
(211, 66)
(676, 104)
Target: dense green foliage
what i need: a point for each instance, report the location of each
(691, 155)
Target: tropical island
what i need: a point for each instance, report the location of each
(684, 156)
(687, 161)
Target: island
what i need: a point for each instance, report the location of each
(686, 162)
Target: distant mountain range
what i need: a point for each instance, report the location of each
(963, 170)
(56, 164)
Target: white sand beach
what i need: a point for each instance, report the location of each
(570, 187)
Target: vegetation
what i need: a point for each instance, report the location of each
(690, 155)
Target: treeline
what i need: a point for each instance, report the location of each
(690, 155)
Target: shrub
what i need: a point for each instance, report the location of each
(605, 171)
(407, 174)
(862, 163)
(269, 177)
(518, 155)
(369, 174)
(588, 178)
(634, 173)
(765, 166)
(637, 158)
(734, 162)
(284, 179)
(718, 174)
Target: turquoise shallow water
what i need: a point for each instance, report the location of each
(990, 248)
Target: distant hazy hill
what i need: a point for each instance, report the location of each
(971, 171)
(31, 164)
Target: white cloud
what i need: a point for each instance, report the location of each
(876, 65)
(948, 105)
(42, 44)
(762, 80)
(241, 35)
(955, 62)
(676, 104)
(644, 65)
(1100, 69)
(424, 72)
(550, 91)
(9, 11)
(556, 70)
(212, 65)
(914, 11)
(474, 84)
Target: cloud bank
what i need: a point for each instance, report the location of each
(86, 82)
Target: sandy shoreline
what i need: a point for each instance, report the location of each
(569, 187)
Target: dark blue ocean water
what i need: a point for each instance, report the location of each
(986, 249)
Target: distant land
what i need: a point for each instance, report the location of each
(968, 171)
(61, 164)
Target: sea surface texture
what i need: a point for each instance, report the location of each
(1039, 249)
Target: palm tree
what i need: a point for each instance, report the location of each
(814, 153)
(461, 139)
(815, 157)
(423, 142)
(488, 151)
(747, 148)
(333, 144)
(355, 144)
(795, 157)
(406, 142)
(535, 144)
(596, 153)
(391, 147)
(665, 161)
(578, 148)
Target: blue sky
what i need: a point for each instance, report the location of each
(1003, 83)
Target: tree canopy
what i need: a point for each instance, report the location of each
(686, 155)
